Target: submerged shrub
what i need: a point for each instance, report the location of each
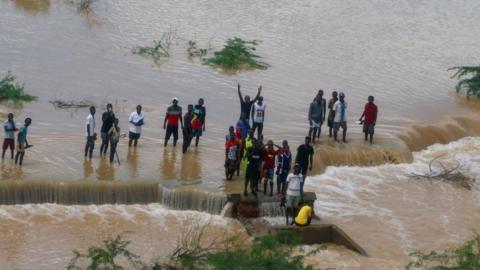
(160, 48)
(12, 91)
(237, 54)
(465, 257)
(470, 85)
(194, 51)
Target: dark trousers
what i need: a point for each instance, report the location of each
(113, 150)
(89, 146)
(105, 141)
(259, 128)
(171, 130)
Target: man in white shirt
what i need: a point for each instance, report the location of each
(90, 132)
(136, 122)
(294, 191)
(258, 116)
(340, 118)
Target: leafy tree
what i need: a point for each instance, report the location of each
(471, 85)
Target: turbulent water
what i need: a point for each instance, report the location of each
(397, 51)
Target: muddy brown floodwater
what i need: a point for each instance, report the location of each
(397, 51)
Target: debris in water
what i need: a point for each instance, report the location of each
(62, 104)
(452, 174)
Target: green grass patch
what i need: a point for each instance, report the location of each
(465, 257)
(470, 85)
(237, 54)
(13, 92)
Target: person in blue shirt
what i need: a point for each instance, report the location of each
(22, 141)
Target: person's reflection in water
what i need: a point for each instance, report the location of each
(167, 167)
(33, 6)
(132, 162)
(87, 168)
(104, 170)
(190, 168)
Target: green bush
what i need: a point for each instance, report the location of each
(270, 252)
(466, 257)
(470, 85)
(12, 91)
(237, 54)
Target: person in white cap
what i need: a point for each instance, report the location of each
(340, 118)
(173, 116)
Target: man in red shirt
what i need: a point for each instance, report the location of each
(174, 114)
(370, 113)
(232, 157)
(269, 154)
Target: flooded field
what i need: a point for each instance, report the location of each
(397, 51)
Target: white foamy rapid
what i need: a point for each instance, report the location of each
(391, 214)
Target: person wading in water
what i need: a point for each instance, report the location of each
(316, 115)
(200, 113)
(340, 119)
(174, 114)
(22, 141)
(136, 122)
(108, 118)
(370, 112)
(9, 140)
(331, 113)
(246, 103)
(90, 132)
(187, 128)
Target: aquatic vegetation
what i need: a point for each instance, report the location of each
(465, 257)
(12, 91)
(106, 257)
(237, 54)
(269, 252)
(160, 48)
(470, 85)
(194, 51)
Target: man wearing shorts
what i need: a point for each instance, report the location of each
(316, 115)
(136, 121)
(22, 142)
(9, 140)
(370, 113)
(269, 155)
(258, 116)
(200, 113)
(340, 119)
(173, 116)
(294, 191)
(304, 157)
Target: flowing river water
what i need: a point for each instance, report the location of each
(397, 51)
